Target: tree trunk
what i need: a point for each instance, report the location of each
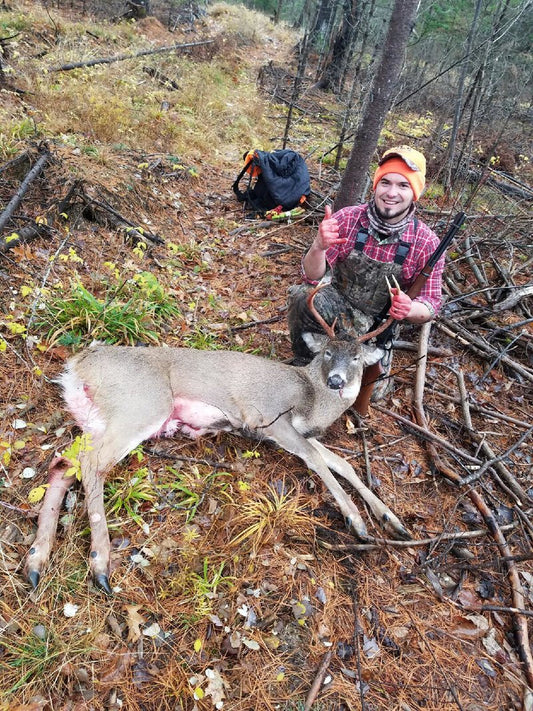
(321, 30)
(381, 96)
(342, 44)
(302, 64)
(459, 101)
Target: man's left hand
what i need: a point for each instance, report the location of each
(400, 304)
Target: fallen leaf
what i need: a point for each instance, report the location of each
(134, 621)
(215, 687)
(120, 664)
(251, 644)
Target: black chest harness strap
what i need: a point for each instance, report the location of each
(402, 250)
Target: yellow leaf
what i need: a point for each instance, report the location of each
(198, 693)
(16, 328)
(197, 645)
(25, 290)
(10, 238)
(19, 444)
(37, 494)
(280, 676)
(3, 346)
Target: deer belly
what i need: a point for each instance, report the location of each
(194, 419)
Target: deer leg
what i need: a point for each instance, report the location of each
(117, 441)
(390, 522)
(292, 441)
(39, 552)
(93, 478)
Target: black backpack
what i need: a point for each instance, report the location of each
(277, 179)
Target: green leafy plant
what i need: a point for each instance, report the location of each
(199, 589)
(187, 488)
(126, 313)
(128, 494)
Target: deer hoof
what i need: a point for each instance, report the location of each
(102, 581)
(356, 526)
(396, 528)
(403, 534)
(33, 577)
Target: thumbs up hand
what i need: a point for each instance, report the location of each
(328, 232)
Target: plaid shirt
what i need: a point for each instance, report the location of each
(424, 243)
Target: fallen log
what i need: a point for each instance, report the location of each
(17, 198)
(122, 57)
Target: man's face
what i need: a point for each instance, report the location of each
(393, 197)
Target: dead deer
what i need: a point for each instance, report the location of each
(123, 395)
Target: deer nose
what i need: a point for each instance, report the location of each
(336, 382)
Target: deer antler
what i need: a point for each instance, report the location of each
(376, 331)
(328, 330)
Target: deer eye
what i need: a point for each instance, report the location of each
(327, 354)
(355, 358)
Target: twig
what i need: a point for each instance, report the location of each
(503, 470)
(478, 346)
(498, 358)
(514, 298)
(521, 631)
(497, 459)
(393, 542)
(475, 407)
(24, 235)
(425, 434)
(508, 610)
(132, 230)
(420, 378)
(431, 350)
(251, 324)
(319, 678)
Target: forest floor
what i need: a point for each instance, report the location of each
(233, 574)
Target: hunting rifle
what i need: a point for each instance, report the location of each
(386, 328)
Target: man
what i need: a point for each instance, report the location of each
(359, 247)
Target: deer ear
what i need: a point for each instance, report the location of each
(314, 341)
(371, 354)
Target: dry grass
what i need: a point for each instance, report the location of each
(120, 104)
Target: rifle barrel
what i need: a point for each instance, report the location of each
(445, 241)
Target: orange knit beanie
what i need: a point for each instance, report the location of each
(405, 161)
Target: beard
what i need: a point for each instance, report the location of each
(391, 213)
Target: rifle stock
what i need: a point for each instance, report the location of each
(373, 372)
